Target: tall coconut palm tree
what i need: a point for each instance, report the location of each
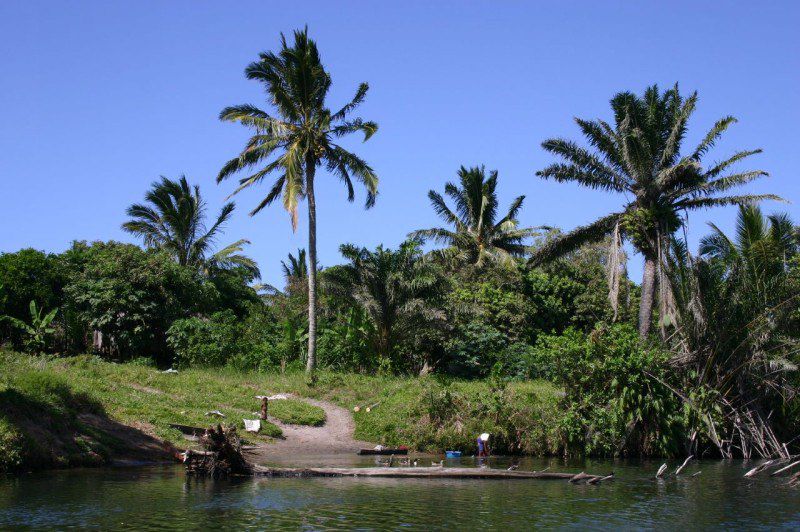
(173, 219)
(477, 235)
(640, 157)
(301, 138)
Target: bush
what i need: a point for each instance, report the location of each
(12, 448)
(616, 399)
(475, 350)
(205, 341)
(223, 339)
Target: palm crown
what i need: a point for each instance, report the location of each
(173, 219)
(477, 234)
(761, 248)
(303, 134)
(640, 157)
(394, 288)
(296, 268)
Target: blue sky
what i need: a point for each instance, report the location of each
(100, 98)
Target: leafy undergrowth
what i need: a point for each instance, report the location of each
(97, 400)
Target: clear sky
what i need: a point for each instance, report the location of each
(100, 98)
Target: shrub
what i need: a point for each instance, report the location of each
(205, 341)
(475, 350)
(616, 399)
(12, 448)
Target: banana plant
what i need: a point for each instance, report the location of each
(38, 329)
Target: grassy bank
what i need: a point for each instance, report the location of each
(76, 411)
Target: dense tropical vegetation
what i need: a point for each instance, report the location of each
(699, 358)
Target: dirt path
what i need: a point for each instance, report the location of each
(335, 437)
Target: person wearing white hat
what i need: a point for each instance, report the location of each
(483, 445)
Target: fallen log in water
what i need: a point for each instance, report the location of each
(684, 464)
(223, 457)
(758, 469)
(423, 472)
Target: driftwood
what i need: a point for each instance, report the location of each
(580, 476)
(787, 468)
(424, 472)
(661, 471)
(758, 469)
(683, 465)
(222, 457)
(597, 480)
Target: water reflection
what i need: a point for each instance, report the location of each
(157, 498)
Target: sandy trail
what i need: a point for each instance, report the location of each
(335, 437)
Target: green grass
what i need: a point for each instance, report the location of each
(436, 415)
(423, 413)
(297, 412)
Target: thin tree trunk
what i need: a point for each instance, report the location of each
(648, 293)
(384, 342)
(312, 268)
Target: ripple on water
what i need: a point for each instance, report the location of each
(158, 498)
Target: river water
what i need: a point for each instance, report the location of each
(162, 497)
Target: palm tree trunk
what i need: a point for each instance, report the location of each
(384, 342)
(648, 294)
(312, 267)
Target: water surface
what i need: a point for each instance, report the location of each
(163, 497)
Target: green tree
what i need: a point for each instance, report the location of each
(396, 289)
(300, 139)
(477, 235)
(173, 220)
(29, 275)
(640, 157)
(128, 297)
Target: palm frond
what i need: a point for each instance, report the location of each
(560, 245)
